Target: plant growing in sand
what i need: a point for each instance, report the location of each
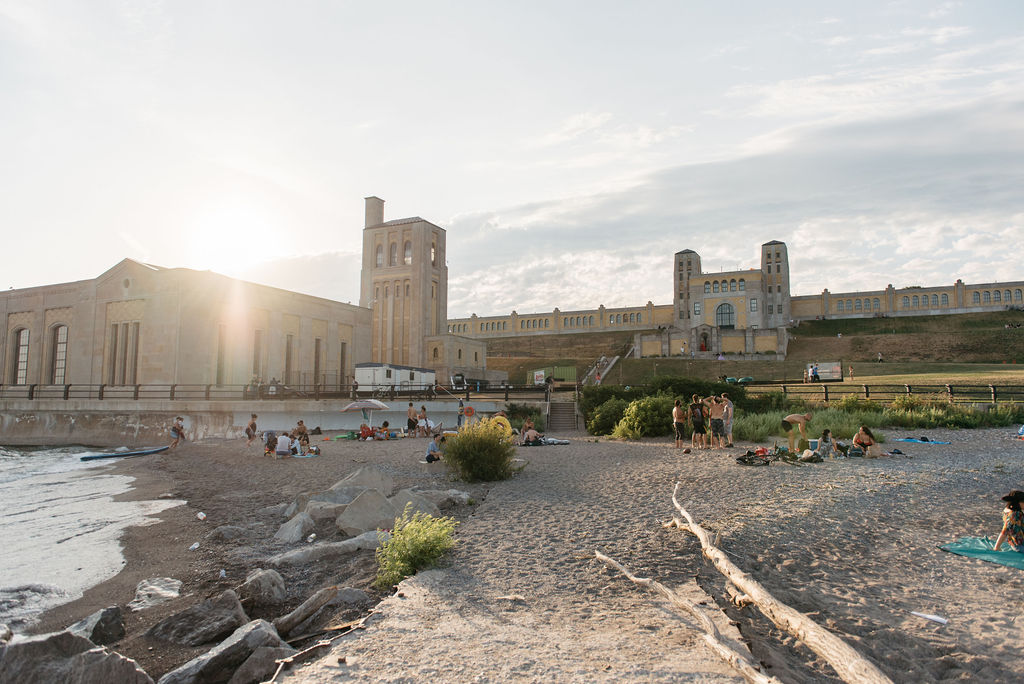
(416, 543)
(607, 416)
(646, 417)
(481, 452)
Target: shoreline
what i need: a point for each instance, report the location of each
(850, 542)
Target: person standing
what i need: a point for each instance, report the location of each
(177, 431)
(462, 414)
(814, 373)
(679, 423)
(250, 430)
(729, 409)
(410, 423)
(1013, 522)
(879, 357)
(798, 419)
(716, 408)
(697, 418)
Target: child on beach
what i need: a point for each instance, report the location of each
(1013, 522)
(250, 430)
(434, 449)
(827, 446)
(177, 431)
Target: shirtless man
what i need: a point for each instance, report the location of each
(717, 408)
(800, 420)
(410, 422)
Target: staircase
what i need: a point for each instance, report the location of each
(562, 414)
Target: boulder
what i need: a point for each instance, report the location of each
(329, 551)
(102, 627)
(229, 533)
(208, 621)
(296, 506)
(370, 477)
(220, 663)
(274, 511)
(150, 592)
(324, 510)
(261, 665)
(66, 657)
(296, 529)
(419, 504)
(442, 497)
(338, 494)
(369, 511)
(262, 587)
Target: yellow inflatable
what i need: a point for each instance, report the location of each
(503, 422)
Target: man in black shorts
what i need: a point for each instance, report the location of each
(697, 418)
(799, 419)
(410, 422)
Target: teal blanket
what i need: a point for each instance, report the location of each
(981, 548)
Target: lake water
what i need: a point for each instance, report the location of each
(60, 527)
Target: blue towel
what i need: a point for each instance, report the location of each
(981, 548)
(921, 441)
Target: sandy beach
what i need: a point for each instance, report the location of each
(852, 543)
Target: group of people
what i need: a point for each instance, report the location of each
(289, 443)
(711, 414)
(369, 434)
(417, 423)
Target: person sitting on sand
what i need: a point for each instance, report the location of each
(435, 449)
(863, 441)
(284, 446)
(532, 437)
(365, 432)
(301, 433)
(1013, 522)
(250, 430)
(826, 445)
(384, 432)
(296, 446)
(800, 420)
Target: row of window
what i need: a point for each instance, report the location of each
(988, 297)
(753, 307)
(407, 254)
(725, 286)
(58, 353)
(387, 290)
(458, 355)
(578, 322)
(863, 304)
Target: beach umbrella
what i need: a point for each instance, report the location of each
(367, 406)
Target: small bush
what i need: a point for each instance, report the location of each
(646, 417)
(851, 403)
(415, 544)
(607, 416)
(481, 452)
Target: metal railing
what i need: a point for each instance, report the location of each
(824, 392)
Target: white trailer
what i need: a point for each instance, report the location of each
(378, 376)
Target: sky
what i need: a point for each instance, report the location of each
(568, 148)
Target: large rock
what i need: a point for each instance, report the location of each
(155, 590)
(5, 634)
(220, 663)
(369, 511)
(442, 498)
(296, 529)
(261, 665)
(66, 657)
(208, 621)
(262, 587)
(340, 493)
(416, 503)
(102, 627)
(274, 511)
(323, 552)
(320, 511)
(370, 477)
(296, 506)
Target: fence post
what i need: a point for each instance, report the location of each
(783, 389)
(825, 388)
(135, 394)
(867, 392)
(206, 394)
(67, 392)
(949, 393)
(172, 392)
(100, 394)
(506, 392)
(992, 389)
(31, 392)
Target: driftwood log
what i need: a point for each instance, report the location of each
(850, 665)
(712, 636)
(287, 623)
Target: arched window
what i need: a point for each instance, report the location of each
(935, 301)
(387, 292)
(58, 354)
(592, 318)
(433, 254)
(945, 300)
(878, 304)
(503, 325)
(632, 318)
(840, 305)
(732, 286)
(579, 321)
(997, 296)
(459, 355)
(906, 302)
(547, 322)
(565, 322)
(476, 357)
(393, 255)
(19, 367)
(435, 352)
(976, 297)
(611, 318)
(380, 255)
(1006, 296)
(1017, 295)
(743, 285)
(987, 297)
(725, 316)
(639, 318)
(522, 324)
(707, 288)
(618, 318)
(849, 305)
(856, 304)
(408, 253)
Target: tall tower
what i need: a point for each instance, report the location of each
(686, 266)
(404, 280)
(775, 270)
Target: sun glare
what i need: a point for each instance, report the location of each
(231, 235)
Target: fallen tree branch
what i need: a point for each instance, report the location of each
(306, 653)
(287, 623)
(847, 662)
(711, 634)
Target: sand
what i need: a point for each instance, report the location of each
(852, 543)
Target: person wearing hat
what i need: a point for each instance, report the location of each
(1013, 522)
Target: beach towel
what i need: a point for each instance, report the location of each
(921, 441)
(981, 548)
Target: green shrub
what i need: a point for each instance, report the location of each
(607, 416)
(518, 413)
(415, 543)
(593, 396)
(772, 401)
(646, 417)
(481, 452)
(851, 403)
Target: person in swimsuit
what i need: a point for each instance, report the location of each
(679, 423)
(1013, 522)
(716, 408)
(250, 430)
(697, 418)
(865, 440)
(798, 419)
(177, 431)
(410, 422)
